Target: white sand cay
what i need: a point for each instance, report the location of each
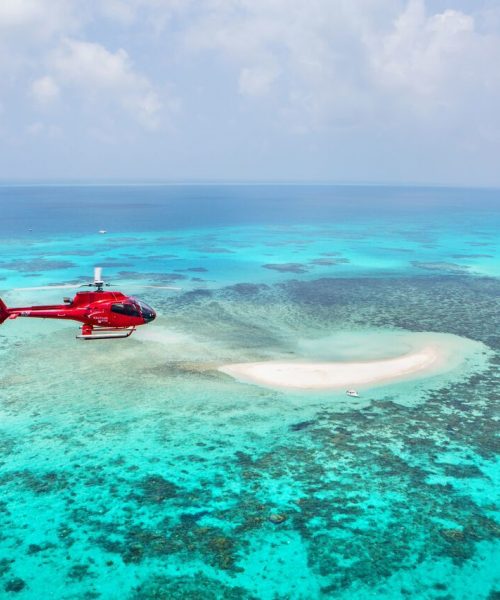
(437, 353)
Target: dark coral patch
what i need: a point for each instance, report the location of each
(80, 572)
(156, 489)
(404, 250)
(194, 296)
(288, 243)
(40, 264)
(162, 256)
(214, 250)
(122, 240)
(300, 426)
(5, 565)
(462, 256)
(286, 267)
(38, 483)
(114, 264)
(329, 262)
(440, 266)
(197, 587)
(462, 471)
(247, 289)
(15, 585)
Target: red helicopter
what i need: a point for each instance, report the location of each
(104, 314)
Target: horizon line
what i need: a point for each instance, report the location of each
(118, 182)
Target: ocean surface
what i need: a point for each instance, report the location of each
(133, 469)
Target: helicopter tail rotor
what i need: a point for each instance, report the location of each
(4, 311)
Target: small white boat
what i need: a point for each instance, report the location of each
(102, 231)
(352, 393)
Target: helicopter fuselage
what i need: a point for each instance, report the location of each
(95, 309)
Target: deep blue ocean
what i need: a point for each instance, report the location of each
(56, 209)
(134, 469)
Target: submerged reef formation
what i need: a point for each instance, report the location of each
(144, 472)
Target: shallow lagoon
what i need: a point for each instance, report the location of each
(133, 469)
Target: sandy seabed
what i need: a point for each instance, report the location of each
(430, 354)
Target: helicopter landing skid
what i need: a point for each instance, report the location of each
(105, 333)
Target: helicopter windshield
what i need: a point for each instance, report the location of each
(145, 307)
(147, 313)
(129, 309)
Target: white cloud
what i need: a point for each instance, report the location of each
(38, 50)
(45, 90)
(124, 13)
(317, 48)
(35, 128)
(420, 51)
(28, 28)
(256, 81)
(343, 70)
(155, 14)
(103, 76)
(352, 62)
(38, 128)
(27, 22)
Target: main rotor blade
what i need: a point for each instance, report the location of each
(155, 287)
(125, 283)
(68, 286)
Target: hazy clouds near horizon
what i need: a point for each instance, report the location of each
(344, 90)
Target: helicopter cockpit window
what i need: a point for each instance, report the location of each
(130, 310)
(146, 312)
(144, 307)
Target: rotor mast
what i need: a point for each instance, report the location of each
(98, 282)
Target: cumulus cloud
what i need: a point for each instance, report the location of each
(120, 11)
(38, 49)
(27, 27)
(156, 14)
(321, 62)
(390, 70)
(348, 59)
(256, 81)
(25, 24)
(421, 50)
(48, 130)
(101, 75)
(317, 48)
(45, 90)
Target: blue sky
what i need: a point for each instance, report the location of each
(332, 90)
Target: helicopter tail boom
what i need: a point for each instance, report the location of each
(4, 311)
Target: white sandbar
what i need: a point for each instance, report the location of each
(430, 354)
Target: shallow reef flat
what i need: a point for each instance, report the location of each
(137, 470)
(426, 355)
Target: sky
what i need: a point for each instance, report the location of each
(343, 91)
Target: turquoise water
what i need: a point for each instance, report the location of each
(134, 469)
